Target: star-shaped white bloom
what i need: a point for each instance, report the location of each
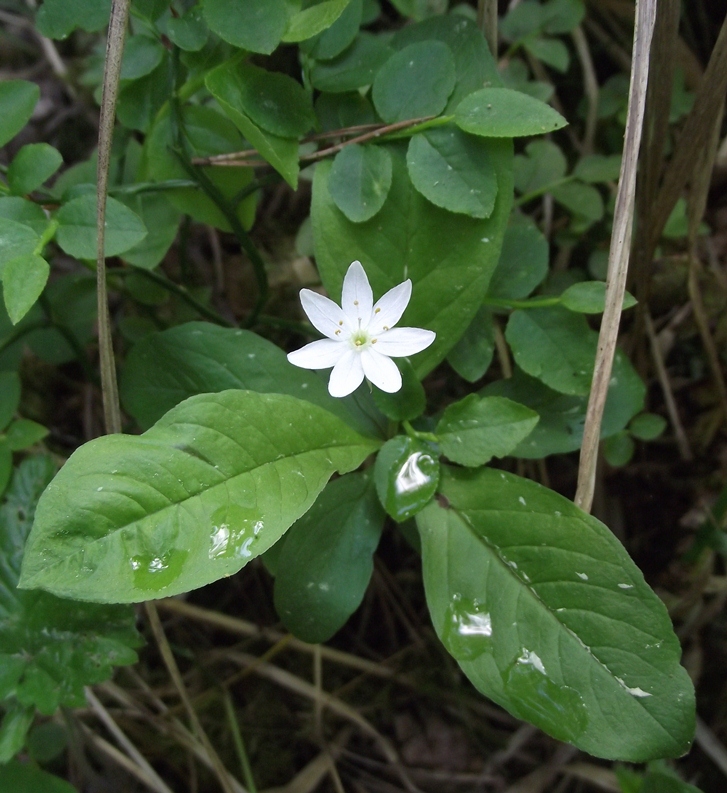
(361, 338)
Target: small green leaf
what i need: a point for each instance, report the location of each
(504, 113)
(15, 725)
(542, 165)
(161, 219)
(554, 345)
(343, 31)
(189, 31)
(548, 616)
(141, 100)
(665, 782)
(336, 111)
(46, 741)
(354, 68)
(142, 54)
(227, 84)
(406, 475)
(563, 16)
(9, 397)
(18, 99)
(57, 18)
(647, 426)
(523, 263)
(415, 82)
(359, 181)
(472, 355)
(598, 168)
(474, 430)
(523, 20)
(582, 200)
(16, 240)
(28, 778)
(151, 9)
(408, 402)
(326, 559)
(255, 25)
(24, 278)
(618, 449)
(551, 52)
(32, 166)
(453, 171)
(214, 483)
(6, 466)
(77, 229)
(24, 433)
(314, 20)
(28, 213)
(589, 297)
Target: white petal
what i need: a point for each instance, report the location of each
(400, 342)
(347, 374)
(357, 299)
(388, 310)
(318, 354)
(323, 314)
(381, 371)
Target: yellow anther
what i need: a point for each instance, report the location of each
(355, 302)
(338, 332)
(378, 311)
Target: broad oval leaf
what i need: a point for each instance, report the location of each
(314, 20)
(24, 278)
(406, 475)
(338, 36)
(549, 617)
(211, 485)
(17, 102)
(415, 82)
(16, 239)
(51, 648)
(254, 25)
(448, 257)
(504, 113)
(474, 430)
(472, 355)
(31, 166)
(523, 263)
(359, 181)
(57, 18)
(589, 297)
(355, 67)
(326, 559)
(77, 228)
(453, 171)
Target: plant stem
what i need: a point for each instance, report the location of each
(418, 435)
(487, 23)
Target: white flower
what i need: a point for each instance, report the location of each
(361, 339)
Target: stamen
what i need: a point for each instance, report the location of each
(340, 322)
(338, 333)
(378, 311)
(386, 327)
(373, 341)
(355, 302)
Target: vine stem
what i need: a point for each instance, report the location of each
(618, 260)
(112, 71)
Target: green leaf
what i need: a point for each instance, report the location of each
(359, 181)
(141, 100)
(46, 742)
(51, 648)
(77, 229)
(57, 18)
(554, 345)
(161, 219)
(472, 355)
(474, 65)
(28, 213)
(474, 430)
(659, 782)
(589, 297)
(449, 257)
(24, 278)
(255, 25)
(524, 19)
(18, 99)
(406, 475)
(336, 111)
(414, 82)
(583, 200)
(516, 75)
(326, 559)
(560, 429)
(6, 464)
(523, 263)
(548, 616)
(151, 9)
(9, 397)
(354, 68)
(189, 31)
(208, 132)
(16, 240)
(314, 20)
(142, 54)
(227, 84)
(166, 368)
(32, 166)
(408, 402)
(28, 778)
(15, 725)
(563, 16)
(618, 449)
(598, 168)
(338, 36)
(273, 101)
(542, 164)
(24, 433)
(504, 113)
(214, 483)
(551, 52)
(453, 171)
(647, 426)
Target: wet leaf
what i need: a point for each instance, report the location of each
(406, 476)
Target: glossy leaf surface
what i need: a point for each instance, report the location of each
(211, 485)
(448, 257)
(51, 648)
(406, 476)
(359, 181)
(326, 559)
(548, 616)
(474, 430)
(504, 113)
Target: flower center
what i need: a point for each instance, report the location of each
(360, 339)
